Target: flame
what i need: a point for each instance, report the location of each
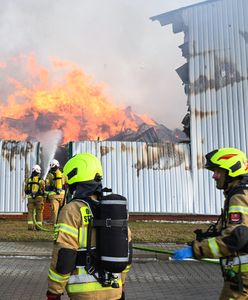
(62, 97)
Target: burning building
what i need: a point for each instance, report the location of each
(159, 178)
(65, 99)
(47, 110)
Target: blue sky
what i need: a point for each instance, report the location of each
(113, 41)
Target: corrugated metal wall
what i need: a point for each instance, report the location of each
(162, 178)
(215, 45)
(155, 178)
(16, 161)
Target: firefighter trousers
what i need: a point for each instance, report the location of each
(35, 205)
(230, 290)
(55, 201)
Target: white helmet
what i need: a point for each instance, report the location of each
(37, 169)
(54, 163)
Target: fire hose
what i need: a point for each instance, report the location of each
(38, 225)
(163, 251)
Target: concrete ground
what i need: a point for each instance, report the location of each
(24, 266)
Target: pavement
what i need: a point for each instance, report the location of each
(24, 266)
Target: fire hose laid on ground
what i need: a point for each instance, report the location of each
(38, 225)
(163, 251)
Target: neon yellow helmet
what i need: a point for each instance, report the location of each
(231, 159)
(83, 167)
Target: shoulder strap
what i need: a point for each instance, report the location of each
(110, 223)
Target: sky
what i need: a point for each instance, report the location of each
(113, 41)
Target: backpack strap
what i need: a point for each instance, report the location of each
(110, 223)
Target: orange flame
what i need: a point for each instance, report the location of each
(64, 98)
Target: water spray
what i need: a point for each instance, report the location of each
(49, 142)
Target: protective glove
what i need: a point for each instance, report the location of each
(183, 253)
(51, 296)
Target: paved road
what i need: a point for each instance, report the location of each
(24, 278)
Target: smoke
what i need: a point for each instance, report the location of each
(113, 41)
(49, 142)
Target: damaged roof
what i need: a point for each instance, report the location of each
(173, 15)
(215, 49)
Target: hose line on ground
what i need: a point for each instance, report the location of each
(163, 251)
(38, 225)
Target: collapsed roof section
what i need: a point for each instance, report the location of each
(157, 133)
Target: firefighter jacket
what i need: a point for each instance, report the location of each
(71, 238)
(34, 187)
(231, 238)
(55, 183)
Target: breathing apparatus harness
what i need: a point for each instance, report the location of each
(112, 253)
(33, 186)
(226, 268)
(57, 184)
(33, 189)
(212, 231)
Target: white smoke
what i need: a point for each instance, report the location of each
(113, 41)
(49, 142)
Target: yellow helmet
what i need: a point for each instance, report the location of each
(231, 159)
(83, 167)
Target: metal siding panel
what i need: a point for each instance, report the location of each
(155, 178)
(134, 180)
(16, 161)
(130, 191)
(143, 182)
(214, 35)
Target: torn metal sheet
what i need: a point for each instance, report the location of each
(215, 78)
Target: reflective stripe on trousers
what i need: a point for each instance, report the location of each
(84, 282)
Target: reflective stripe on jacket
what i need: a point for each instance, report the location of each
(71, 232)
(218, 247)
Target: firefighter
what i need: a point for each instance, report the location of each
(228, 238)
(67, 270)
(55, 188)
(34, 189)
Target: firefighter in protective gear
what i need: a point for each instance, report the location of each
(34, 189)
(84, 173)
(228, 238)
(55, 183)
